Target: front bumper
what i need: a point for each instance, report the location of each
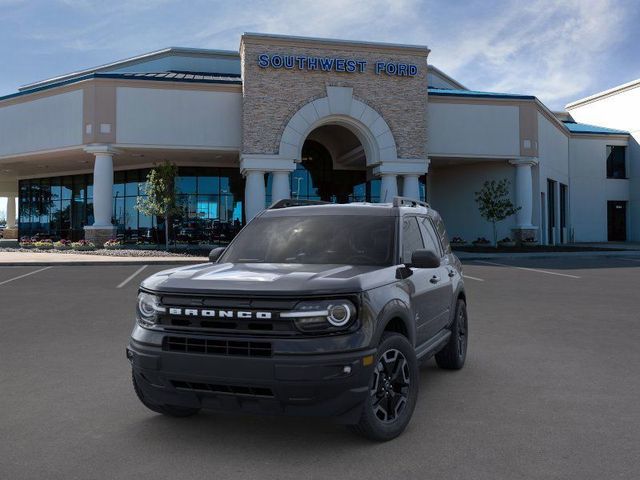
(325, 384)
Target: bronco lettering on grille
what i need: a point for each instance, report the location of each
(241, 314)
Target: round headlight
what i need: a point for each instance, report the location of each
(148, 307)
(339, 315)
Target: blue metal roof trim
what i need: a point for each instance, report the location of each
(450, 92)
(161, 77)
(575, 127)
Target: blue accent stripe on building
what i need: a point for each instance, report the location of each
(449, 92)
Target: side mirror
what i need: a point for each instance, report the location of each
(214, 254)
(425, 259)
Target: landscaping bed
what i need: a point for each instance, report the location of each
(123, 252)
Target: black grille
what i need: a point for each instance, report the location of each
(229, 389)
(217, 347)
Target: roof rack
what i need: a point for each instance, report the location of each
(409, 202)
(290, 202)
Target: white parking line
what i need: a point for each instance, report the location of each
(473, 278)
(25, 275)
(132, 276)
(527, 269)
(632, 259)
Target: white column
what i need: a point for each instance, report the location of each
(411, 187)
(11, 211)
(388, 187)
(103, 189)
(280, 188)
(524, 192)
(254, 193)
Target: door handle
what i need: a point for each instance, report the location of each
(452, 273)
(435, 279)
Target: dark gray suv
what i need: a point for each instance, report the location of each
(313, 309)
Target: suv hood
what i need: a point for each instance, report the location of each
(269, 279)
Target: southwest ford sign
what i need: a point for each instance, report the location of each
(332, 64)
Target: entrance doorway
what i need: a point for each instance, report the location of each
(617, 221)
(333, 168)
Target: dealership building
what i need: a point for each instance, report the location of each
(306, 118)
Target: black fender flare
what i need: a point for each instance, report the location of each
(392, 310)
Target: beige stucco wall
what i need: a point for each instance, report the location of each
(271, 96)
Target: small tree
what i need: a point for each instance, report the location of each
(161, 198)
(494, 203)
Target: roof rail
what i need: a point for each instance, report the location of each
(409, 202)
(290, 202)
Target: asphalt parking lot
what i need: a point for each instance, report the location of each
(550, 389)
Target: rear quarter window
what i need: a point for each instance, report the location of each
(442, 233)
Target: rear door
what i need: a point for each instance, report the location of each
(442, 287)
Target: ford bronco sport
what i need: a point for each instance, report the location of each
(313, 309)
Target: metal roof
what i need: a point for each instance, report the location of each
(585, 128)
(224, 78)
(449, 92)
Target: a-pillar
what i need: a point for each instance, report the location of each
(102, 228)
(524, 228)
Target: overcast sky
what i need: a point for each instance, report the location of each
(557, 50)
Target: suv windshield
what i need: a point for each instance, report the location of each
(318, 239)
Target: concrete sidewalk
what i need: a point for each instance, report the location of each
(37, 259)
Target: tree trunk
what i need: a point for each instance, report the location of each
(495, 235)
(166, 231)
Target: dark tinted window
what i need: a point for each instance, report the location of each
(442, 234)
(616, 164)
(431, 241)
(411, 238)
(317, 239)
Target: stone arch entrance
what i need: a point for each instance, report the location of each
(345, 134)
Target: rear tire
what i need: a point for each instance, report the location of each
(393, 390)
(454, 354)
(169, 410)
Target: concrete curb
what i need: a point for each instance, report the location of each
(546, 255)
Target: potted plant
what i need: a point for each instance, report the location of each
(506, 242)
(457, 242)
(481, 241)
(83, 245)
(113, 244)
(43, 244)
(62, 244)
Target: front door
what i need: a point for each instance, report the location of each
(423, 289)
(617, 221)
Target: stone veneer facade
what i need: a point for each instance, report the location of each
(271, 96)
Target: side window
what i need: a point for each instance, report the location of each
(442, 233)
(411, 238)
(430, 238)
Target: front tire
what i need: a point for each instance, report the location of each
(393, 390)
(454, 354)
(169, 410)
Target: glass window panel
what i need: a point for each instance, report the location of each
(207, 207)
(56, 188)
(90, 218)
(65, 215)
(186, 184)
(131, 214)
(67, 188)
(118, 184)
(119, 215)
(131, 186)
(90, 186)
(208, 185)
